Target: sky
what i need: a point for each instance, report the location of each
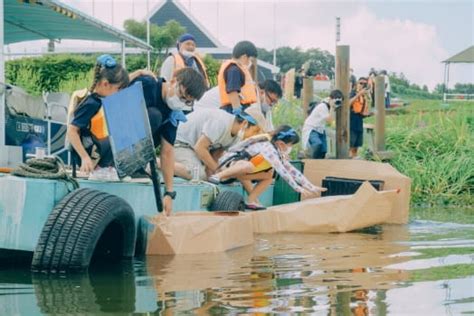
(412, 37)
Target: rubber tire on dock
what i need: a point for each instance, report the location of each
(84, 224)
(228, 201)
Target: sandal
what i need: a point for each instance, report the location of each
(254, 207)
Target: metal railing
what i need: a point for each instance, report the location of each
(458, 97)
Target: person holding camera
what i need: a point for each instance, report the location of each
(360, 100)
(314, 127)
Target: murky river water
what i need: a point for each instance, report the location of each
(424, 268)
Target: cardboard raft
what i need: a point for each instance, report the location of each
(317, 170)
(344, 213)
(199, 232)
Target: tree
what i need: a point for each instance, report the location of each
(287, 58)
(161, 37)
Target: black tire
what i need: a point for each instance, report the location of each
(87, 225)
(228, 201)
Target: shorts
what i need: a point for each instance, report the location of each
(187, 156)
(356, 139)
(317, 145)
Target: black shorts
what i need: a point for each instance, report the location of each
(356, 139)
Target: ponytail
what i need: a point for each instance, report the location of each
(107, 68)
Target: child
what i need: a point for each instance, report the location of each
(88, 128)
(251, 159)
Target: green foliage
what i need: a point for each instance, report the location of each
(46, 73)
(401, 86)
(212, 66)
(80, 82)
(161, 37)
(455, 271)
(320, 61)
(435, 148)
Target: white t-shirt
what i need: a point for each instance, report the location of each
(387, 83)
(211, 99)
(315, 121)
(215, 124)
(167, 68)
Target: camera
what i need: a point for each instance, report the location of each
(338, 102)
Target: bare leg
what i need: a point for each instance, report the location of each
(239, 168)
(181, 171)
(258, 189)
(247, 184)
(353, 152)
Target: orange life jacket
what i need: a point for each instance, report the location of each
(179, 64)
(360, 105)
(99, 126)
(248, 92)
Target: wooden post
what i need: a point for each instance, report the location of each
(342, 113)
(290, 84)
(379, 114)
(307, 93)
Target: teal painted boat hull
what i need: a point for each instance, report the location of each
(25, 203)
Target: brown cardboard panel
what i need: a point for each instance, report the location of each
(365, 208)
(316, 170)
(201, 232)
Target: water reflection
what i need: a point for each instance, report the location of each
(374, 271)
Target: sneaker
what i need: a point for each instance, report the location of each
(214, 179)
(254, 207)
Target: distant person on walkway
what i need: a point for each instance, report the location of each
(352, 80)
(314, 127)
(186, 56)
(359, 110)
(253, 160)
(371, 85)
(237, 88)
(387, 88)
(299, 83)
(87, 131)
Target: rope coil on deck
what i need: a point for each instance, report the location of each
(45, 168)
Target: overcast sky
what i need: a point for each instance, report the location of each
(412, 37)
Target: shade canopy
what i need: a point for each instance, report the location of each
(53, 20)
(466, 56)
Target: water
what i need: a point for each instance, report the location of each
(424, 268)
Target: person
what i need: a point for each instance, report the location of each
(352, 80)
(371, 85)
(236, 85)
(359, 108)
(269, 93)
(206, 132)
(253, 158)
(387, 88)
(167, 104)
(185, 56)
(314, 127)
(87, 131)
(299, 83)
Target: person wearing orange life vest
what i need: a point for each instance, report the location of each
(185, 56)
(359, 110)
(88, 126)
(236, 86)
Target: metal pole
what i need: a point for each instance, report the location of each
(148, 53)
(379, 114)
(307, 93)
(123, 54)
(444, 81)
(274, 35)
(2, 80)
(342, 113)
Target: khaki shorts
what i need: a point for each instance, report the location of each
(187, 156)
